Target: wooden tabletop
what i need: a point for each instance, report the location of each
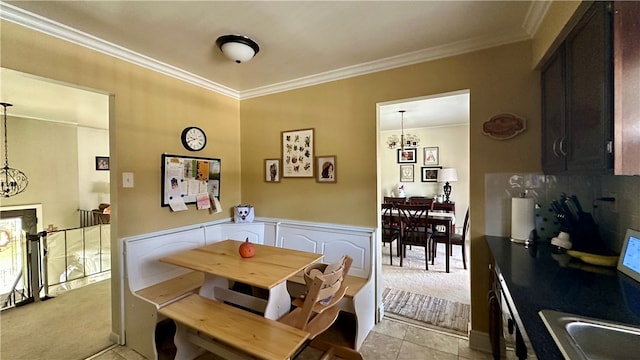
(269, 267)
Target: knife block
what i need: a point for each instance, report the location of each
(586, 236)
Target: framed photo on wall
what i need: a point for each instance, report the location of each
(102, 163)
(272, 170)
(297, 153)
(326, 169)
(406, 173)
(431, 156)
(430, 174)
(407, 156)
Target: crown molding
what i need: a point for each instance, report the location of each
(61, 31)
(24, 18)
(433, 53)
(535, 15)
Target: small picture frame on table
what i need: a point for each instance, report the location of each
(431, 156)
(406, 173)
(272, 170)
(407, 156)
(326, 169)
(102, 163)
(430, 174)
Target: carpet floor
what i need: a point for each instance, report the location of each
(440, 313)
(70, 326)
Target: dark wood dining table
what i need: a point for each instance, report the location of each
(435, 219)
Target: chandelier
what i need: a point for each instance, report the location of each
(407, 140)
(12, 181)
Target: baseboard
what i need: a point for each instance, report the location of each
(115, 338)
(480, 341)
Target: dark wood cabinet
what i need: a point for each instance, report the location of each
(626, 35)
(577, 89)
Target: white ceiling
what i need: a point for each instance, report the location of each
(301, 42)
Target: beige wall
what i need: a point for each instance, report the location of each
(47, 153)
(344, 116)
(555, 26)
(453, 151)
(149, 111)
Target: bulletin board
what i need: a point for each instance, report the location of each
(187, 176)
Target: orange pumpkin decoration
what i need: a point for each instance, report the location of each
(247, 249)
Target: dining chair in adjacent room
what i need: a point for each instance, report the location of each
(394, 200)
(446, 207)
(420, 200)
(456, 239)
(390, 229)
(414, 229)
(316, 310)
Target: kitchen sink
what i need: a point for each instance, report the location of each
(580, 337)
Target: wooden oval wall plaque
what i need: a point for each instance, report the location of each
(504, 126)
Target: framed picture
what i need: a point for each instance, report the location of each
(102, 163)
(406, 173)
(297, 153)
(431, 156)
(272, 170)
(430, 174)
(186, 178)
(407, 156)
(326, 169)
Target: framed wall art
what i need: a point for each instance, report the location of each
(430, 174)
(272, 170)
(407, 156)
(102, 163)
(186, 177)
(406, 173)
(431, 156)
(297, 153)
(326, 169)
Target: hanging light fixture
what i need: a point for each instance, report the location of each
(408, 140)
(12, 181)
(238, 48)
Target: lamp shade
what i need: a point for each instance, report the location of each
(447, 175)
(238, 48)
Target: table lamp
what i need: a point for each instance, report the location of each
(447, 175)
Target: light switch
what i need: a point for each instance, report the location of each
(127, 180)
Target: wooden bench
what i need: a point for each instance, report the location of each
(150, 285)
(224, 329)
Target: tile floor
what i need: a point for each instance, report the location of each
(389, 340)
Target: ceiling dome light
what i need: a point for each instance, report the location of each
(238, 48)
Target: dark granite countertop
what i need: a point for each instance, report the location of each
(537, 278)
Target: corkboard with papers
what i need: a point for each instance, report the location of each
(188, 179)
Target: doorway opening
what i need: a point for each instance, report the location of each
(437, 125)
(76, 124)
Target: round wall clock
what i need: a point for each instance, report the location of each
(193, 138)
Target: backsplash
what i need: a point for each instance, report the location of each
(613, 218)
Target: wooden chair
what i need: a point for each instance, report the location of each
(414, 229)
(456, 239)
(420, 200)
(446, 207)
(394, 200)
(390, 229)
(316, 310)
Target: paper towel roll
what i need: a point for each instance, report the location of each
(522, 218)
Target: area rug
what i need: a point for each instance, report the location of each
(451, 316)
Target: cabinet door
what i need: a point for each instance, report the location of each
(589, 87)
(627, 87)
(553, 114)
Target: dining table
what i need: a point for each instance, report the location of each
(445, 220)
(267, 270)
